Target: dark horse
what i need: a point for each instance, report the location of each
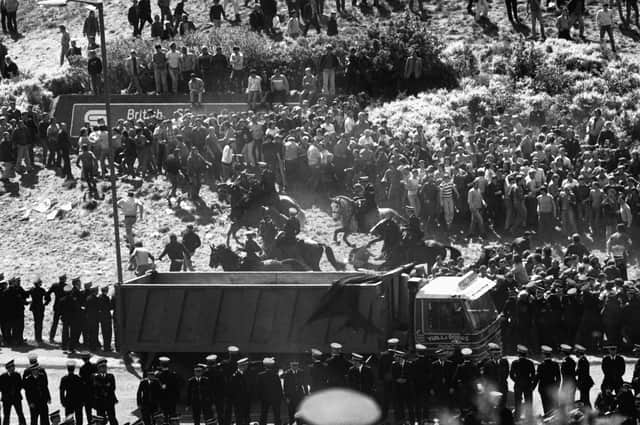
(397, 253)
(307, 251)
(224, 256)
(254, 213)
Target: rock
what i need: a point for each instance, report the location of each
(25, 216)
(43, 206)
(163, 229)
(83, 234)
(90, 205)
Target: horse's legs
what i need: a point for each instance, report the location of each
(335, 234)
(344, 238)
(233, 228)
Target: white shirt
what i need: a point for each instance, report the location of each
(129, 206)
(227, 155)
(254, 83)
(173, 59)
(237, 61)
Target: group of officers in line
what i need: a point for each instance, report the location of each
(92, 390)
(414, 387)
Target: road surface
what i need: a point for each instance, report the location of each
(54, 361)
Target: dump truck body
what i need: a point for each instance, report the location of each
(262, 312)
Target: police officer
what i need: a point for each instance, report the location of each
(37, 393)
(584, 382)
(402, 388)
(105, 320)
(169, 391)
(57, 290)
(294, 388)
(214, 374)
(523, 375)
(103, 389)
(442, 387)
(466, 380)
(360, 376)
(269, 391)
(613, 367)
(228, 367)
(39, 298)
(33, 361)
(385, 360)
(147, 397)
(252, 249)
(91, 317)
(568, 373)
(495, 371)
(316, 372)
(337, 366)
(72, 393)
(199, 396)
(548, 376)
(10, 387)
(420, 373)
(292, 225)
(86, 375)
(412, 234)
(239, 394)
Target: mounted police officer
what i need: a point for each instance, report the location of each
(364, 194)
(412, 234)
(252, 249)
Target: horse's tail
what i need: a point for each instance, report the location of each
(338, 265)
(454, 253)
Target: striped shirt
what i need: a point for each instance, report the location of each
(446, 190)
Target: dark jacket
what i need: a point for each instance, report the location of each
(71, 391)
(269, 389)
(148, 394)
(548, 374)
(10, 387)
(103, 388)
(199, 392)
(361, 379)
(94, 66)
(523, 374)
(293, 383)
(36, 389)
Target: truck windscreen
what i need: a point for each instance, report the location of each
(482, 311)
(444, 316)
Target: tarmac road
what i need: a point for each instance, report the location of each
(54, 361)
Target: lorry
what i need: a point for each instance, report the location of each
(268, 312)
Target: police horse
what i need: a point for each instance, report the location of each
(222, 255)
(252, 214)
(306, 250)
(345, 211)
(397, 252)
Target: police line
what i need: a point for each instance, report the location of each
(80, 110)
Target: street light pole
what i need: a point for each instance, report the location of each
(112, 168)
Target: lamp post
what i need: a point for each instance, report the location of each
(107, 108)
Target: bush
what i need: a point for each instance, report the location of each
(381, 55)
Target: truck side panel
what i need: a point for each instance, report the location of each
(258, 318)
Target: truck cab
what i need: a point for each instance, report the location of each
(456, 311)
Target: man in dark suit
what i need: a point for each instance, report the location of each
(169, 390)
(337, 367)
(86, 374)
(584, 382)
(103, 389)
(72, 393)
(613, 367)
(523, 375)
(269, 391)
(568, 374)
(295, 388)
(147, 397)
(384, 374)
(239, 394)
(316, 373)
(402, 388)
(442, 371)
(10, 387)
(495, 372)
(360, 376)
(466, 380)
(215, 375)
(548, 377)
(37, 394)
(199, 396)
(57, 289)
(420, 375)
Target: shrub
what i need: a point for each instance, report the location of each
(462, 59)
